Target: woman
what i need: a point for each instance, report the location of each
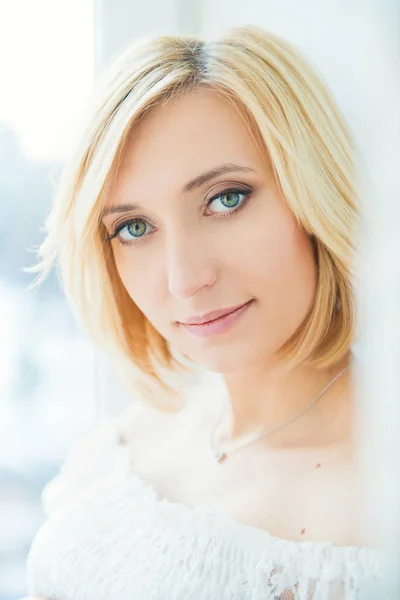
(207, 221)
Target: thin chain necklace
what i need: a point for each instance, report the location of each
(220, 455)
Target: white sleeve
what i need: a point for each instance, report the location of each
(90, 456)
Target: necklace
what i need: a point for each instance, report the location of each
(219, 455)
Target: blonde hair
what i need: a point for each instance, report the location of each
(288, 111)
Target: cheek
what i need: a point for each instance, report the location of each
(139, 281)
(280, 258)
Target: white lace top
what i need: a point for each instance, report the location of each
(108, 536)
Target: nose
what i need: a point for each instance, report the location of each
(190, 266)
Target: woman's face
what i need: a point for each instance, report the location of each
(203, 227)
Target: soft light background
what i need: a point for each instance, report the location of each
(53, 384)
(46, 366)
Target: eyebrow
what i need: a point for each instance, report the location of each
(191, 185)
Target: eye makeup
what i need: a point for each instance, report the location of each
(245, 192)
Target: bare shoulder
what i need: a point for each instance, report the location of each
(141, 425)
(141, 421)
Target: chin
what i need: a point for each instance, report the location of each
(231, 359)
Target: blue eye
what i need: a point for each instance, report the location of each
(131, 231)
(135, 228)
(229, 199)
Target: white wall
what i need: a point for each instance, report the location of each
(118, 22)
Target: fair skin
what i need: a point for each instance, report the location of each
(187, 259)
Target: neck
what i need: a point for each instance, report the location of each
(264, 397)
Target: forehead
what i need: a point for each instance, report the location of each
(188, 135)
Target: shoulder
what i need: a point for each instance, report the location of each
(89, 456)
(94, 453)
(141, 425)
(143, 430)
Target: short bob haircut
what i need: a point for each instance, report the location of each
(291, 116)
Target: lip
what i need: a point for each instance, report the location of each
(219, 325)
(211, 316)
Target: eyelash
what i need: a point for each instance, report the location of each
(246, 193)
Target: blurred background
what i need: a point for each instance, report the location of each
(53, 384)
